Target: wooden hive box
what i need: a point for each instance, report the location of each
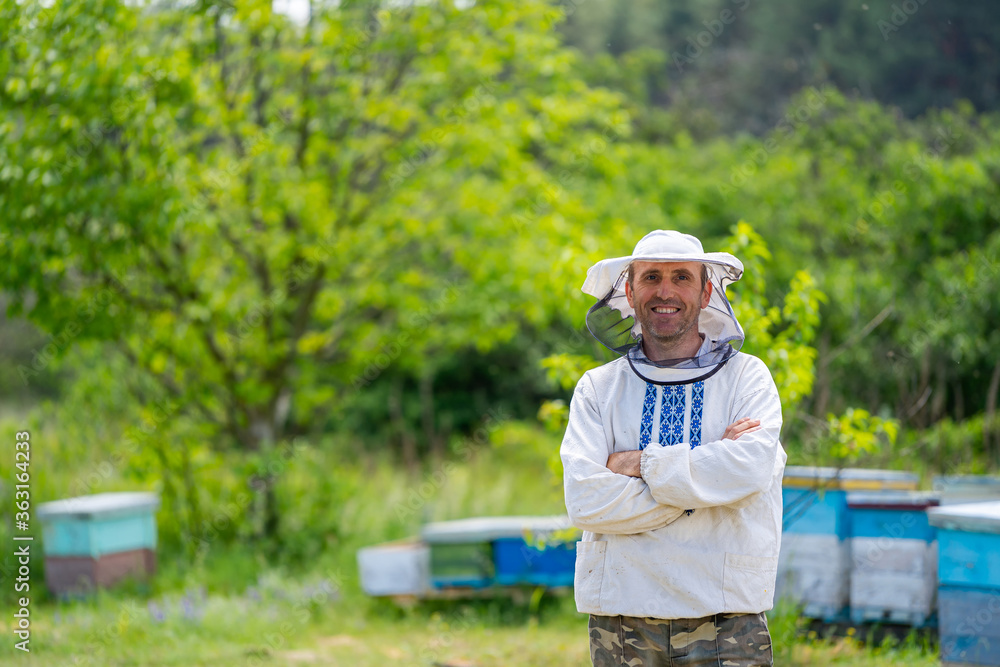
(98, 540)
(487, 551)
(968, 582)
(814, 564)
(893, 557)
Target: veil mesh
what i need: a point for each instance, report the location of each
(613, 323)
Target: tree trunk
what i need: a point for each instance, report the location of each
(272, 516)
(191, 496)
(170, 494)
(990, 431)
(959, 401)
(822, 385)
(264, 481)
(407, 443)
(903, 400)
(427, 415)
(925, 381)
(939, 403)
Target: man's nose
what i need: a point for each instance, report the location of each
(665, 290)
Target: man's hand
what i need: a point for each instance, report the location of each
(625, 463)
(742, 427)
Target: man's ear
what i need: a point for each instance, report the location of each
(628, 294)
(706, 295)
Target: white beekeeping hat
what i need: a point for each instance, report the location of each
(612, 321)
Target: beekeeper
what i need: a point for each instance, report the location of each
(673, 466)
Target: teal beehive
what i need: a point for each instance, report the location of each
(98, 540)
(893, 557)
(969, 582)
(814, 566)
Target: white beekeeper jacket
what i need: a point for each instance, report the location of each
(699, 533)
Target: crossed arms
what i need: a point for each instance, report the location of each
(636, 491)
(629, 463)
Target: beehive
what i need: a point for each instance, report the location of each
(893, 557)
(395, 568)
(98, 540)
(814, 566)
(968, 582)
(485, 551)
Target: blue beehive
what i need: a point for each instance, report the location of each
(956, 489)
(544, 554)
(968, 582)
(815, 562)
(481, 552)
(98, 540)
(893, 557)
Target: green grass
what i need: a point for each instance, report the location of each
(288, 623)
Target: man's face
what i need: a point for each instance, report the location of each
(667, 298)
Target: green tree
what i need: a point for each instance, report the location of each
(261, 216)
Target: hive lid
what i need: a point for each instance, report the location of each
(968, 517)
(487, 529)
(889, 500)
(100, 505)
(958, 489)
(810, 477)
(976, 482)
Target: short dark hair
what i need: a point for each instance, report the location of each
(704, 275)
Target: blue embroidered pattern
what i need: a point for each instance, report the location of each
(672, 415)
(697, 399)
(648, 405)
(672, 407)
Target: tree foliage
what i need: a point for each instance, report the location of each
(257, 212)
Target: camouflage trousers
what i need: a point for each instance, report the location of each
(735, 640)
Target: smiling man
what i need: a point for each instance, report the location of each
(673, 466)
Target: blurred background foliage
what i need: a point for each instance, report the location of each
(315, 277)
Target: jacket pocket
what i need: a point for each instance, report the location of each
(589, 575)
(748, 583)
